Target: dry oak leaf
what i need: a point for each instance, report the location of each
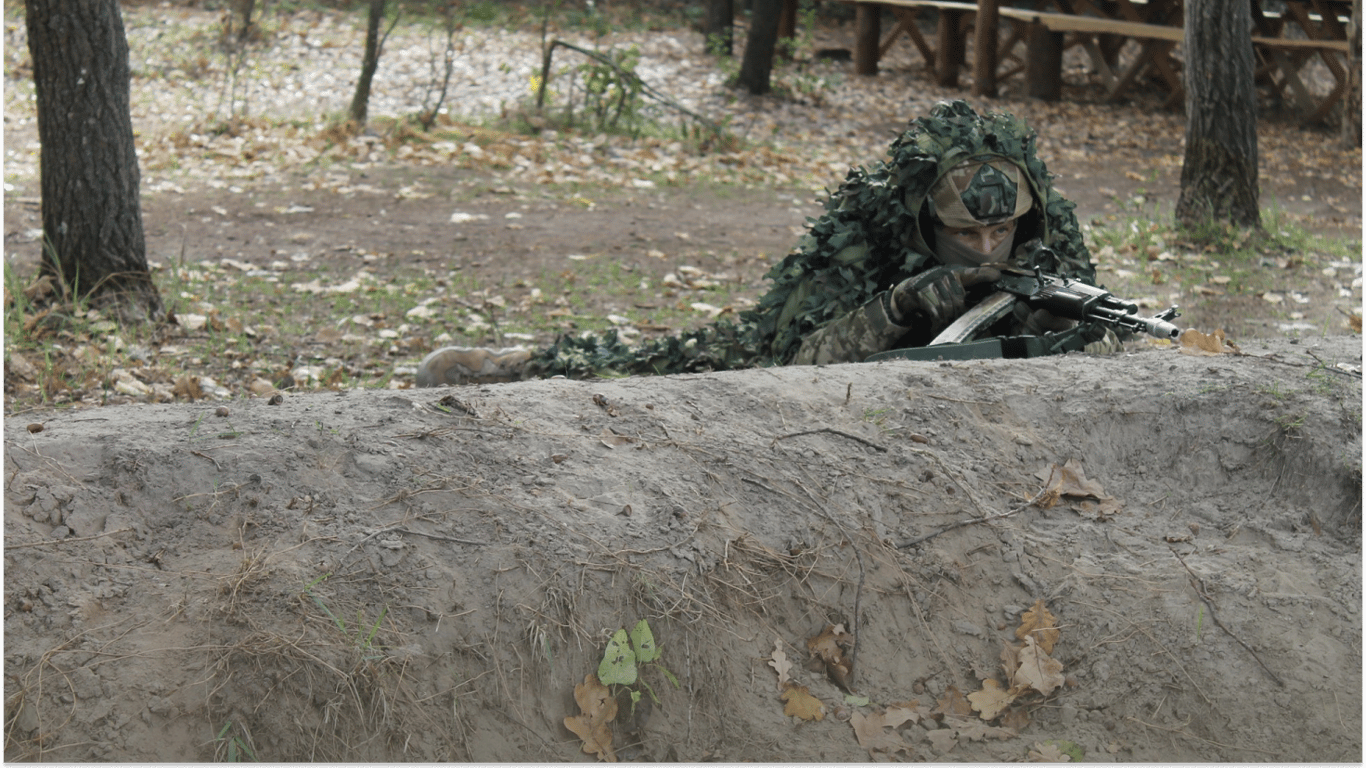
(1070, 480)
(901, 713)
(943, 739)
(1047, 753)
(1037, 669)
(1010, 661)
(1015, 718)
(991, 700)
(873, 735)
(594, 725)
(800, 703)
(1039, 623)
(829, 647)
(1194, 342)
(976, 730)
(952, 704)
(780, 664)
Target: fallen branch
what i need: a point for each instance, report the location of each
(855, 438)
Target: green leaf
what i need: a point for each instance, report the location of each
(667, 674)
(636, 694)
(1069, 748)
(618, 661)
(855, 701)
(643, 640)
(635, 699)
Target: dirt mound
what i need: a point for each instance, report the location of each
(427, 575)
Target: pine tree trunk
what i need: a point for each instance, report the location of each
(1351, 100)
(757, 65)
(92, 211)
(360, 102)
(1219, 173)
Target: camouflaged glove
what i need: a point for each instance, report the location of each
(936, 295)
(1109, 344)
(1037, 322)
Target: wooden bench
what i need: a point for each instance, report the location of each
(1048, 33)
(948, 55)
(1281, 58)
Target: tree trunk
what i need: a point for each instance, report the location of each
(867, 38)
(1043, 73)
(1219, 173)
(949, 52)
(92, 211)
(720, 30)
(757, 65)
(1351, 100)
(787, 28)
(985, 40)
(360, 103)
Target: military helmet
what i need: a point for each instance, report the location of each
(981, 191)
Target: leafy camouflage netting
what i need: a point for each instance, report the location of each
(875, 232)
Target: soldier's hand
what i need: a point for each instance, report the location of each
(935, 296)
(1039, 321)
(1109, 344)
(987, 273)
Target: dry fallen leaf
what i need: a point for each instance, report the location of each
(1047, 753)
(1354, 321)
(828, 647)
(1070, 480)
(943, 739)
(873, 734)
(1194, 342)
(952, 704)
(1041, 624)
(594, 725)
(976, 730)
(187, 386)
(800, 703)
(991, 700)
(780, 664)
(903, 712)
(1037, 669)
(1015, 718)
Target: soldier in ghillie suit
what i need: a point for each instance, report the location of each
(886, 266)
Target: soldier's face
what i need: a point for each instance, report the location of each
(984, 240)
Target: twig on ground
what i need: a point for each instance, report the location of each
(855, 438)
(858, 590)
(965, 523)
(956, 479)
(216, 465)
(55, 542)
(452, 539)
(1183, 732)
(1198, 585)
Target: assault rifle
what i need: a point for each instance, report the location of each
(1061, 296)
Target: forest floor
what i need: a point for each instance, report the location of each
(367, 572)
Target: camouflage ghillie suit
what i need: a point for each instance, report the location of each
(877, 230)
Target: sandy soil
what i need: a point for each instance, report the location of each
(427, 574)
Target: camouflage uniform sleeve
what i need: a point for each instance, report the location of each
(851, 337)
